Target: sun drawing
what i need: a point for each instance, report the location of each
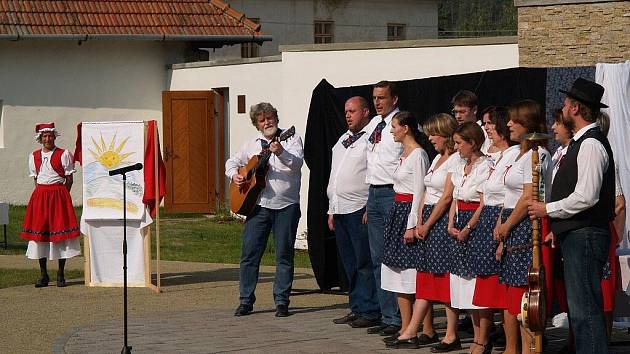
(111, 156)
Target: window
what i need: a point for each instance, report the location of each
(251, 50)
(395, 31)
(323, 32)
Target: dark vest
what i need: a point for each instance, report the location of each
(565, 181)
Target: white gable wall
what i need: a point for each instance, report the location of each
(288, 84)
(64, 82)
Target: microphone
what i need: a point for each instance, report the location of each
(123, 170)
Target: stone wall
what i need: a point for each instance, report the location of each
(560, 33)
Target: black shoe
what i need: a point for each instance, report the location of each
(346, 319)
(61, 282)
(42, 282)
(362, 322)
(389, 330)
(423, 339)
(443, 347)
(411, 343)
(243, 310)
(282, 310)
(391, 338)
(464, 324)
(376, 329)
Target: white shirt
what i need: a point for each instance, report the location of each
(347, 191)
(487, 142)
(47, 175)
(435, 180)
(466, 186)
(556, 159)
(409, 179)
(493, 188)
(592, 162)
(382, 158)
(285, 171)
(520, 172)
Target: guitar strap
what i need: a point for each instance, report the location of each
(265, 145)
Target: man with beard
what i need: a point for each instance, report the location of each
(347, 196)
(582, 205)
(277, 208)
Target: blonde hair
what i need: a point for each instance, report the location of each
(444, 125)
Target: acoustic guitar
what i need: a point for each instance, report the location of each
(243, 198)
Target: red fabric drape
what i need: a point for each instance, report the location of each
(78, 152)
(149, 170)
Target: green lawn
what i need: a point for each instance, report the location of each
(13, 277)
(183, 237)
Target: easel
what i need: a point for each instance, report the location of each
(146, 231)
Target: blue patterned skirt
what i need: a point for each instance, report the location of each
(460, 252)
(436, 258)
(482, 246)
(517, 255)
(397, 253)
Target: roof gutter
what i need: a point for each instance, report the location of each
(227, 39)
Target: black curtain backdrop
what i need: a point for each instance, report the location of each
(425, 97)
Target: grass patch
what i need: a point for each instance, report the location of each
(17, 277)
(183, 237)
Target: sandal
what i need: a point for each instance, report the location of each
(487, 348)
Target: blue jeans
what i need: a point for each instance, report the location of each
(585, 252)
(380, 201)
(354, 250)
(283, 223)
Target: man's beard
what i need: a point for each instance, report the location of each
(271, 131)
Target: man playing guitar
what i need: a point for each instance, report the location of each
(277, 208)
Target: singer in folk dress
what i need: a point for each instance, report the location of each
(482, 245)
(514, 227)
(463, 217)
(401, 250)
(382, 160)
(432, 279)
(347, 195)
(277, 209)
(50, 224)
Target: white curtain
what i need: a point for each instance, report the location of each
(616, 80)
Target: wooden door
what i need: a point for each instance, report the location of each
(189, 151)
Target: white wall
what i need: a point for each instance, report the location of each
(288, 85)
(67, 83)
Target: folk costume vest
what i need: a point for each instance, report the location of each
(55, 161)
(565, 181)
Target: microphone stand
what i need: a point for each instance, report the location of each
(126, 349)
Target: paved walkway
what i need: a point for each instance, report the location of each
(193, 314)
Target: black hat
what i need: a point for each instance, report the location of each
(587, 92)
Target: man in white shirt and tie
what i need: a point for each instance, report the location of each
(383, 155)
(277, 208)
(347, 195)
(465, 108)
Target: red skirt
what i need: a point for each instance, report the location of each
(433, 287)
(514, 298)
(49, 215)
(612, 284)
(489, 293)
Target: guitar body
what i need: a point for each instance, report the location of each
(243, 199)
(534, 308)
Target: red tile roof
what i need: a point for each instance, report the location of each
(190, 19)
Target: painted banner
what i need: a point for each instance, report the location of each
(107, 146)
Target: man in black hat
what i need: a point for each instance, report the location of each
(582, 205)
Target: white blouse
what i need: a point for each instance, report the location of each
(435, 180)
(466, 186)
(493, 188)
(520, 172)
(409, 179)
(47, 175)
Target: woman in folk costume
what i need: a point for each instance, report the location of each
(401, 250)
(463, 218)
(514, 227)
(488, 292)
(50, 224)
(432, 280)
